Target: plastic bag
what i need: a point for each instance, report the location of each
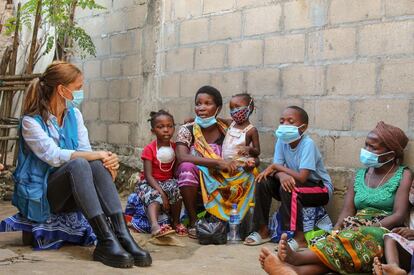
(211, 230)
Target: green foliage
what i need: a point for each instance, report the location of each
(57, 14)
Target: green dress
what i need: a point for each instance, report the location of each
(353, 249)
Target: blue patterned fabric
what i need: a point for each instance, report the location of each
(59, 229)
(136, 209)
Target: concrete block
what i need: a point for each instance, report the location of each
(98, 89)
(301, 14)
(321, 112)
(122, 43)
(118, 88)
(252, 3)
(131, 65)
(246, 53)
(273, 109)
(97, 131)
(137, 88)
(181, 109)
(167, 9)
(331, 44)
(179, 59)
(109, 111)
(92, 68)
(225, 26)
(111, 67)
(284, 49)
(262, 20)
(129, 111)
(342, 151)
(210, 57)
(184, 9)
(90, 110)
(118, 133)
(351, 79)
(190, 83)
(211, 6)
(399, 7)
(93, 25)
(135, 17)
(114, 22)
(228, 83)
(303, 80)
(170, 86)
(267, 144)
(392, 111)
(170, 35)
(398, 78)
(387, 38)
(102, 46)
(137, 39)
(342, 11)
(263, 82)
(192, 31)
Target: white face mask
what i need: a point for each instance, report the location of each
(165, 154)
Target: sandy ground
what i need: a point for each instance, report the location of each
(190, 259)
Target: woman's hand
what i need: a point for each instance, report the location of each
(404, 232)
(228, 166)
(111, 161)
(288, 182)
(114, 173)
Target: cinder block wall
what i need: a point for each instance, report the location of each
(349, 63)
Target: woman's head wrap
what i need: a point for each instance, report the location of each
(393, 138)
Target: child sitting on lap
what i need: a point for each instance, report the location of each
(242, 138)
(158, 188)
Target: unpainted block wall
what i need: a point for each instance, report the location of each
(349, 63)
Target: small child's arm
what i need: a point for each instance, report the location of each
(252, 137)
(154, 184)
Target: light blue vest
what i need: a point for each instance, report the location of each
(31, 174)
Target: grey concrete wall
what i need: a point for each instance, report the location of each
(349, 63)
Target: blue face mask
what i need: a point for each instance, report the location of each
(205, 122)
(370, 159)
(288, 133)
(77, 99)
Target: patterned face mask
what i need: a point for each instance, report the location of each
(241, 114)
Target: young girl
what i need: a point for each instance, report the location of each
(242, 138)
(158, 189)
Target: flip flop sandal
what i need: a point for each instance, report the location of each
(293, 245)
(192, 232)
(256, 238)
(164, 230)
(181, 230)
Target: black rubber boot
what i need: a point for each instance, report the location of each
(108, 250)
(142, 257)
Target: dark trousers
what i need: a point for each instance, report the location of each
(85, 186)
(309, 194)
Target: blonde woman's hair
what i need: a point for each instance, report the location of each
(41, 89)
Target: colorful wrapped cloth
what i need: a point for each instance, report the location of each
(136, 209)
(59, 229)
(353, 249)
(219, 189)
(406, 244)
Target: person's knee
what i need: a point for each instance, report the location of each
(78, 164)
(187, 166)
(96, 164)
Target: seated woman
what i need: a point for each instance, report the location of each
(57, 171)
(198, 153)
(375, 202)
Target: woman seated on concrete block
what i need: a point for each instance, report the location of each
(59, 180)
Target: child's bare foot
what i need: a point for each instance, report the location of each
(386, 269)
(284, 252)
(273, 265)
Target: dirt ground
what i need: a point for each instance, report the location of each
(190, 259)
